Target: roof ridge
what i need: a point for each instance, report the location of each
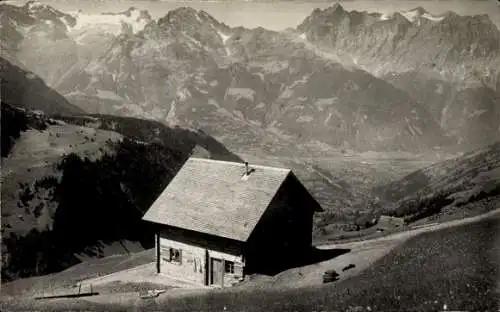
(234, 163)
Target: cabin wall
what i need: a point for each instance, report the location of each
(205, 241)
(192, 261)
(229, 278)
(283, 236)
(196, 255)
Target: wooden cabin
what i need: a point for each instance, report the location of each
(218, 221)
(385, 223)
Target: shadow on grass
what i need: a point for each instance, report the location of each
(297, 259)
(317, 255)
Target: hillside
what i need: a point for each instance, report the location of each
(456, 267)
(450, 269)
(25, 89)
(71, 192)
(469, 183)
(468, 113)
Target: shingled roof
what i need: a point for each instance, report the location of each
(217, 198)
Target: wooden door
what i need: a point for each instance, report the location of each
(217, 275)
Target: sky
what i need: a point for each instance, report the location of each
(276, 15)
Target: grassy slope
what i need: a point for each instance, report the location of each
(14, 121)
(73, 275)
(150, 131)
(25, 89)
(465, 183)
(458, 266)
(69, 190)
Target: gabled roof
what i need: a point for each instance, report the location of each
(216, 198)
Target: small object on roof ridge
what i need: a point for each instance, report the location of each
(247, 171)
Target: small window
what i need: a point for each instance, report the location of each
(229, 266)
(175, 255)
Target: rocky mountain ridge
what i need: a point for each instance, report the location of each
(316, 82)
(459, 48)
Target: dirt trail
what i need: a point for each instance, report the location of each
(413, 231)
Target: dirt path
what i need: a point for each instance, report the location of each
(145, 273)
(414, 231)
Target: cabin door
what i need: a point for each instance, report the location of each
(217, 273)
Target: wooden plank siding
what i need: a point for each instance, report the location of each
(197, 250)
(192, 261)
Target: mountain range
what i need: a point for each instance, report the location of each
(364, 81)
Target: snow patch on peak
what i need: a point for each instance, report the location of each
(224, 39)
(111, 23)
(432, 17)
(198, 18)
(411, 15)
(134, 14)
(386, 16)
(223, 36)
(35, 5)
(417, 13)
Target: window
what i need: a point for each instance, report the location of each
(229, 266)
(175, 255)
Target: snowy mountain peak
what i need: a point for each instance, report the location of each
(133, 13)
(417, 13)
(36, 5)
(113, 23)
